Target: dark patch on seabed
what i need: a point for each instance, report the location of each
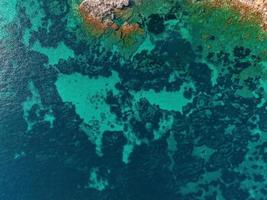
(180, 114)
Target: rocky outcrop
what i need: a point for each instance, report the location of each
(100, 15)
(103, 9)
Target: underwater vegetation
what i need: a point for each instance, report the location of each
(168, 104)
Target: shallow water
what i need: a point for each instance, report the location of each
(178, 112)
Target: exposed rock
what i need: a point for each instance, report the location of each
(103, 9)
(100, 15)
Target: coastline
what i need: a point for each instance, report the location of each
(101, 15)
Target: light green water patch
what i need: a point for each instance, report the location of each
(96, 182)
(185, 33)
(180, 27)
(172, 147)
(49, 117)
(215, 70)
(172, 144)
(7, 14)
(26, 37)
(214, 74)
(147, 45)
(8, 10)
(127, 150)
(206, 179)
(54, 54)
(28, 104)
(263, 84)
(88, 97)
(74, 17)
(35, 13)
(171, 101)
(203, 152)
(245, 92)
(132, 142)
(165, 125)
(19, 155)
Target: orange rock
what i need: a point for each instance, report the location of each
(128, 29)
(128, 34)
(98, 27)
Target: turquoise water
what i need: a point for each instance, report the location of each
(175, 111)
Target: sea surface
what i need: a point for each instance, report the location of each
(175, 112)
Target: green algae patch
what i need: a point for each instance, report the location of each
(96, 182)
(166, 100)
(165, 125)
(227, 28)
(172, 101)
(147, 45)
(87, 95)
(127, 150)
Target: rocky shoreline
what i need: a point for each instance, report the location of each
(103, 9)
(101, 15)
